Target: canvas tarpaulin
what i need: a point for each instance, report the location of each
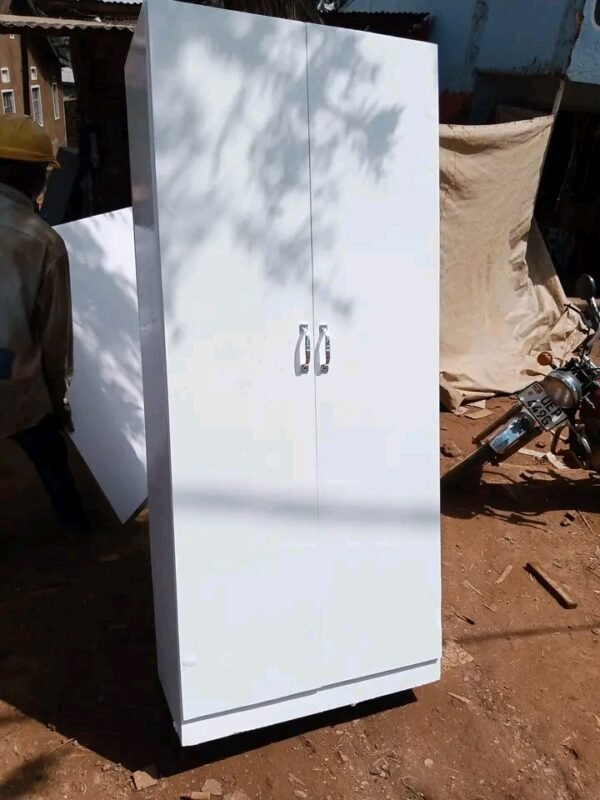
(501, 300)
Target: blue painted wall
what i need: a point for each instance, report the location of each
(585, 62)
(531, 36)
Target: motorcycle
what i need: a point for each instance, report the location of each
(567, 399)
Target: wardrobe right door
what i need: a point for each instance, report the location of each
(374, 186)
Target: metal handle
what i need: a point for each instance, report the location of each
(324, 332)
(307, 350)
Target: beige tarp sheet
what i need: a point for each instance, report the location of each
(501, 301)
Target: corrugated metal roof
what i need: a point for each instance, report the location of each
(11, 23)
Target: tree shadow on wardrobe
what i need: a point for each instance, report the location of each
(256, 130)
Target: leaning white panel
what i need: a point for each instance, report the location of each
(106, 393)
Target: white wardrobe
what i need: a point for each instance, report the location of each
(285, 184)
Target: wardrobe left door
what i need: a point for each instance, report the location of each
(230, 138)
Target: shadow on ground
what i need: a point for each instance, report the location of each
(525, 501)
(77, 641)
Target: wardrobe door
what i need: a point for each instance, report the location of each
(230, 142)
(374, 177)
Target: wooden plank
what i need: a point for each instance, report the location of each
(504, 575)
(551, 585)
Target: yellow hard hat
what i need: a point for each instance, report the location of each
(22, 139)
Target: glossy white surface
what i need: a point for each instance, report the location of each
(160, 496)
(106, 392)
(218, 726)
(374, 172)
(233, 207)
(249, 585)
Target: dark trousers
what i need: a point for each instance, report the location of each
(46, 448)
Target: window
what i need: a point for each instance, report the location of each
(33, 72)
(37, 111)
(8, 101)
(56, 100)
(5, 74)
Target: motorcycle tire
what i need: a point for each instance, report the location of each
(467, 474)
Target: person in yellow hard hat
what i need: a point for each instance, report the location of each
(36, 331)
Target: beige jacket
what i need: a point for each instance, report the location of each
(36, 329)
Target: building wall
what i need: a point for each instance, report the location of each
(10, 57)
(585, 61)
(48, 73)
(535, 37)
(531, 36)
(48, 70)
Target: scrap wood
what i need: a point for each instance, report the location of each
(196, 796)
(378, 755)
(468, 620)
(568, 519)
(586, 523)
(555, 461)
(385, 757)
(470, 586)
(505, 574)
(533, 454)
(479, 413)
(459, 697)
(551, 585)
(58, 747)
(546, 456)
(593, 571)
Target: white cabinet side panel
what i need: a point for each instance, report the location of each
(153, 365)
(374, 172)
(231, 140)
(106, 392)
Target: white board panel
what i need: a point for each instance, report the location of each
(106, 393)
(374, 171)
(233, 210)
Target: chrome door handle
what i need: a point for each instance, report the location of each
(324, 332)
(307, 349)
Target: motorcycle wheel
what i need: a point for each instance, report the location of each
(467, 474)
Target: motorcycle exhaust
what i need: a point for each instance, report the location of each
(495, 424)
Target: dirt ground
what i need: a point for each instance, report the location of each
(516, 715)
